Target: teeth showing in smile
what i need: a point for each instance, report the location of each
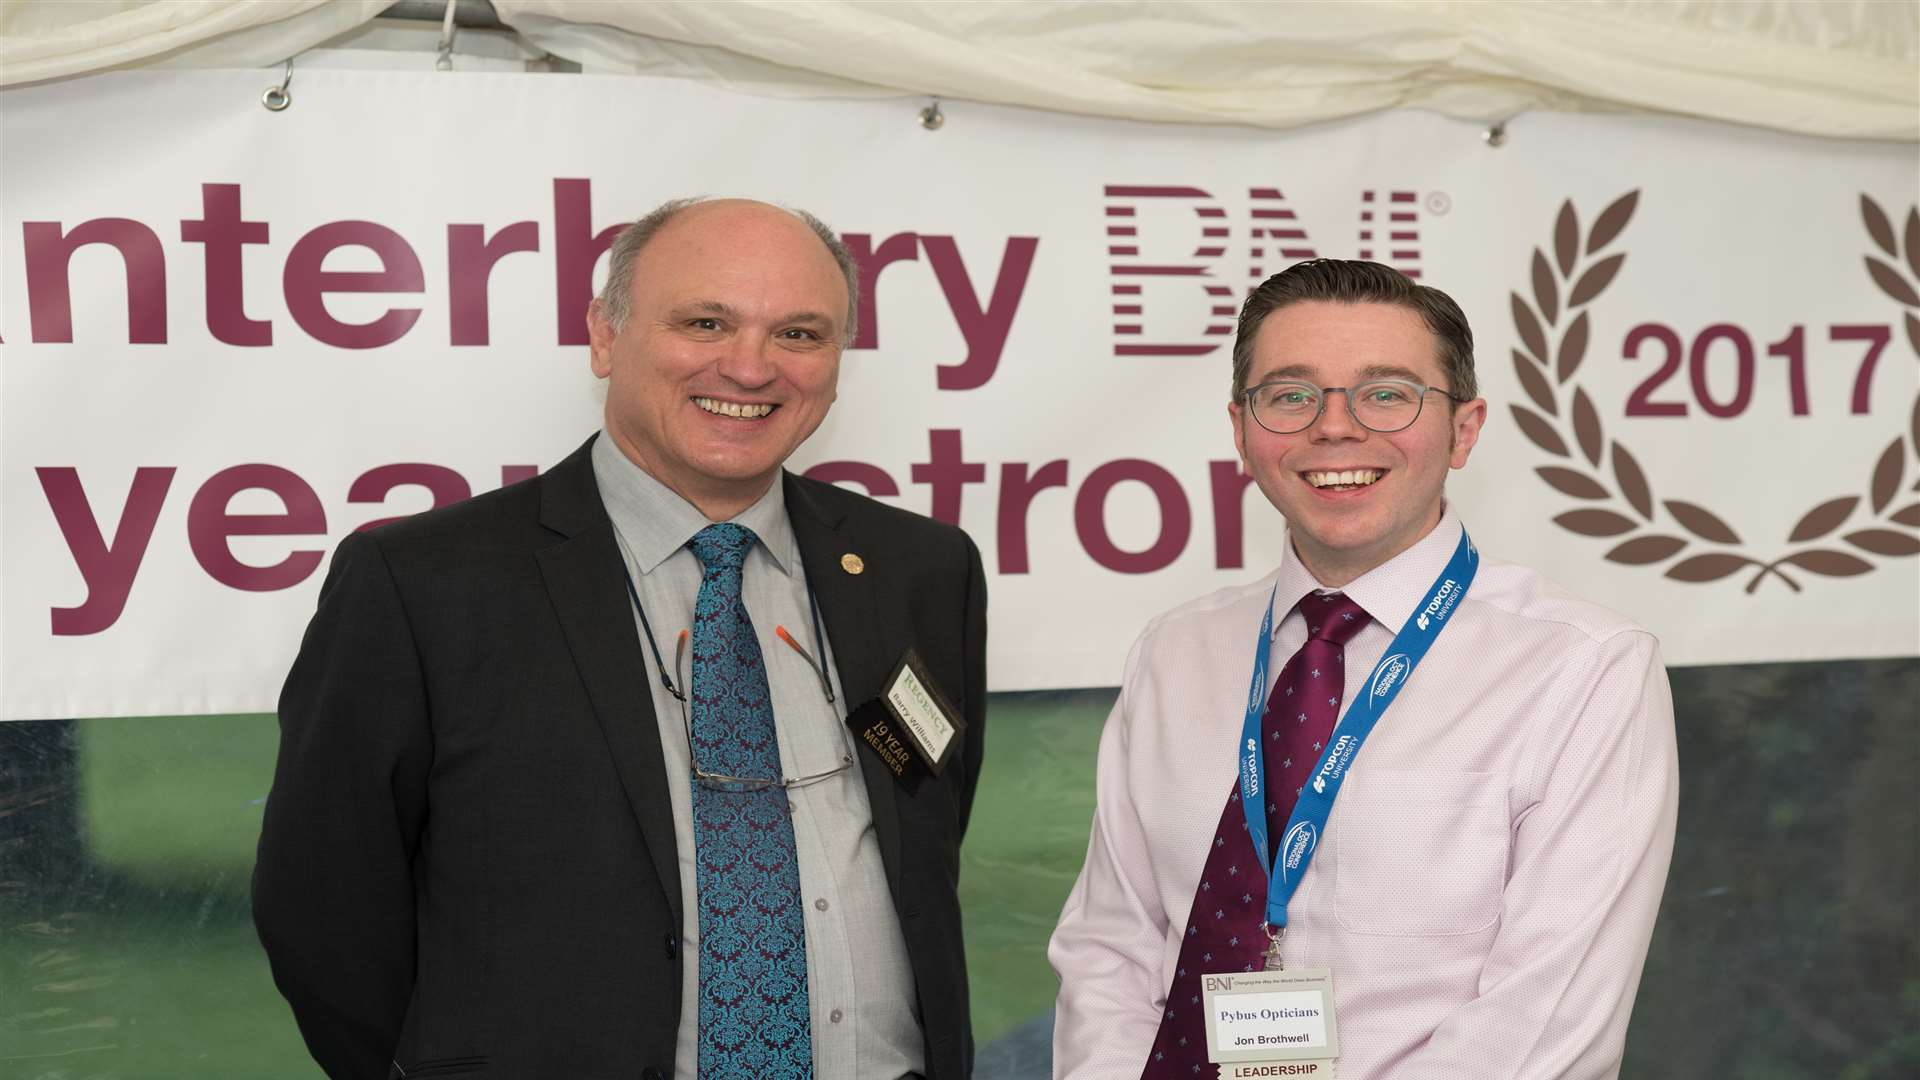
(1346, 479)
(732, 408)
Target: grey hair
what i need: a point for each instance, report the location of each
(626, 252)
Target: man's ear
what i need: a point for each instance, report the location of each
(600, 335)
(1466, 430)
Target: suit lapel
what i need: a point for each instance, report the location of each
(583, 577)
(865, 646)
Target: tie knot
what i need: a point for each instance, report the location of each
(1333, 617)
(722, 547)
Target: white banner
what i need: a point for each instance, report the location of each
(233, 336)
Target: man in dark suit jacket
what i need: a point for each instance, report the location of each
(475, 857)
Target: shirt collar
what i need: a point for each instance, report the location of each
(1389, 592)
(655, 522)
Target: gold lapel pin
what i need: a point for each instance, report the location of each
(852, 564)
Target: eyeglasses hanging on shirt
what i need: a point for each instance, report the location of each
(676, 688)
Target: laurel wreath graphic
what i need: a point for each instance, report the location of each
(1564, 421)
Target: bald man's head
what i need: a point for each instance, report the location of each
(625, 253)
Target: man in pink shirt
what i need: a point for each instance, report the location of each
(1477, 901)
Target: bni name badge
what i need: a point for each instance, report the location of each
(1271, 1023)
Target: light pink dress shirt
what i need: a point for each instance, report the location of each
(1487, 884)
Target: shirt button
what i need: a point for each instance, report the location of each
(820, 904)
(836, 1016)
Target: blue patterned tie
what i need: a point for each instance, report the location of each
(754, 1019)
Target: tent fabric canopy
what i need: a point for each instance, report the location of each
(1818, 67)
(50, 39)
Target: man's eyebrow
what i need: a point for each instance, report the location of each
(704, 307)
(1290, 371)
(1307, 373)
(809, 318)
(1392, 371)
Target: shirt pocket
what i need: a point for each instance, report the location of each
(1421, 854)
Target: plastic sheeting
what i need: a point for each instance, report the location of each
(1810, 66)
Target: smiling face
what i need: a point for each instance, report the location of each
(1353, 498)
(730, 354)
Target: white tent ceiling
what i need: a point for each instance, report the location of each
(1839, 68)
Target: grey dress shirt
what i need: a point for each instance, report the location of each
(859, 985)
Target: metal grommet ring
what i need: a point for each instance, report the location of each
(277, 98)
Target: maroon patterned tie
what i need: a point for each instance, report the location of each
(1223, 929)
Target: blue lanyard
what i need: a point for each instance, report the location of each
(1310, 813)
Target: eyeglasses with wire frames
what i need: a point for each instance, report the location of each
(677, 690)
(1287, 406)
(722, 781)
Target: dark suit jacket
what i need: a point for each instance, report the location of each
(467, 866)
